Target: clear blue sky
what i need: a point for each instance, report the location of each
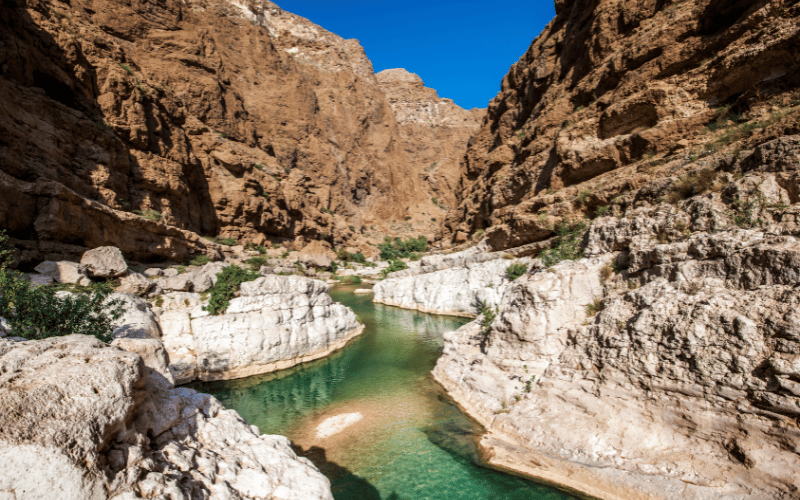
(460, 48)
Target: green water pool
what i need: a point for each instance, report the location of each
(402, 438)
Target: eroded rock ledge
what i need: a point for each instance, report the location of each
(456, 284)
(82, 420)
(276, 322)
(685, 385)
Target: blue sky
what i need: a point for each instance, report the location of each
(460, 48)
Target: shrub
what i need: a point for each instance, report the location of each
(126, 68)
(514, 271)
(489, 316)
(181, 269)
(222, 241)
(594, 307)
(397, 248)
(352, 280)
(602, 211)
(693, 184)
(255, 263)
(228, 282)
(36, 313)
(583, 196)
(396, 265)
(200, 260)
(606, 272)
(149, 214)
(258, 248)
(567, 245)
(346, 256)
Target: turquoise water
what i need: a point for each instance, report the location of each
(410, 441)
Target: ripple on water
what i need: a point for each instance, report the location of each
(371, 418)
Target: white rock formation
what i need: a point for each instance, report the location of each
(104, 262)
(63, 272)
(459, 290)
(84, 421)
(686, 384)
(276, 322)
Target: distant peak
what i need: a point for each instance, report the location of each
(398, 75)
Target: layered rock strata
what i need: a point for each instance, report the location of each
(612, 95)
(276, 322)
(435, 131)
(458, 284)
(83, 420)
(678, 377)
(145, 125)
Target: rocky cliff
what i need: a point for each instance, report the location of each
(434, 132)
(663, 364)
(613, 94)
(144, 125)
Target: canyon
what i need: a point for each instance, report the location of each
(640, 169)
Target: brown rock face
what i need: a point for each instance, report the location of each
(435, 132)
(605, 97)
(202, 118)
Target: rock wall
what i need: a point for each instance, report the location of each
(143, 125)
(456, 284)
(612, 95)
(663, 365)
(83, 420)
(276, 322)
(435, 132)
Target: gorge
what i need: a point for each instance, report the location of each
(606, 306)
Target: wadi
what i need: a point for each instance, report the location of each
(236, 262)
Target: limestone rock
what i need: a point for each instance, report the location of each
(138, 320)
(275, 322)
(692, 356)
(64, 272)
(460, 290)
(136, 284)
(316, 254)
(104, 262)
(129, 431)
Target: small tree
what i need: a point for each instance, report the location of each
(37, 313)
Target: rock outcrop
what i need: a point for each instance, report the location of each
(676, 378)
(612, 95)
(82, 420)
(457, 284)
(276, 322)
(146, 125)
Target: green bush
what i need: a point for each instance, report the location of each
(352, 280)
(514, 271)
(36, 313)
(228, 282)
(567, 245)
(149, 214)
(200, 260)
(255, 263)
(346, 256)
(397, 248)
(489, 315)
(396, 265)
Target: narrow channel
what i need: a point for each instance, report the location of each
(373, 420)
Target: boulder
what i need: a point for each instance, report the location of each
(39, 279)
(138, 321)
(154, 272)
(104, 262)
(64, 272)
(316, 254)
(136, 284)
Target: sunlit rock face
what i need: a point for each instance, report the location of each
(131, 434)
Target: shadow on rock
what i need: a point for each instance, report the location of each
(344, 484)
